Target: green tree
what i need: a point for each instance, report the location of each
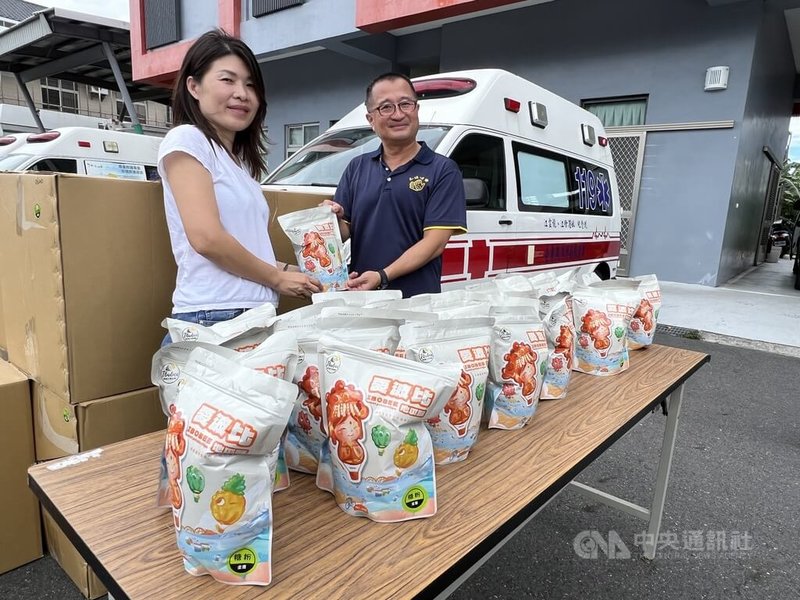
(790, 185)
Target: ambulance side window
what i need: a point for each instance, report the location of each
(482, 163)
(542, 180)
(58, 165)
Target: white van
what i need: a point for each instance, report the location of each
(538, 174)
(10, 142)
(86, 151)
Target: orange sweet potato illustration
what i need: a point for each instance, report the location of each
(564, 343)
(174, 448)
(314, 247)
(310, 385)
(597, 324)
(645, 314)
(346, 414)
(457, 409)
(520, 367)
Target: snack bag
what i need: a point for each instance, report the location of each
(602, 316)
(559, 330)
(357, 297)
(249, 322)
(305, 432)
(277, 356)
(643, 324)
(221, 447)
(371, 333)
(517, 357)
(374, 408)
(455, 429)
(317, 242)
(512, 283)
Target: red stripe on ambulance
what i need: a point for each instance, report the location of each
(479, 258)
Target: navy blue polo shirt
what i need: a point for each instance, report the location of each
(388, 212)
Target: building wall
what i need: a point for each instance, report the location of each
(584, 51)
(311, 88)
(88, 102)
(765, 123)
(298, 26)
(197, 18)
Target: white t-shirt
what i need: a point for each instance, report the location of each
(244, 213)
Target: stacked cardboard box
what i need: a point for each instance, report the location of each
(86, 278)
(20, 535)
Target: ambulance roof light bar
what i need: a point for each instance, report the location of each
(445, 87)
(47, 136)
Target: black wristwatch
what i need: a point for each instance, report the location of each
(384, 280)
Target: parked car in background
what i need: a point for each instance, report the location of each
(86, 151)
(781, 233)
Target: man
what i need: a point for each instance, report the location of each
(400, 204)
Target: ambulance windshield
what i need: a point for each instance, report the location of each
(323, 161)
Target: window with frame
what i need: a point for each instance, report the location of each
(481, 160)
(55, 165)
(299, 135)
(139, 107)
(618, 112)
(552, 183)
(59, 95)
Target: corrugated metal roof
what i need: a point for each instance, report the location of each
(18, 10)
(68, 45)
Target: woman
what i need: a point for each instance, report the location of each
(210, 164)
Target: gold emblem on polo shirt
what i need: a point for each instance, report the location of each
(417, 183)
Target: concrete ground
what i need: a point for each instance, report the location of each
(734, 473)
(759, 309)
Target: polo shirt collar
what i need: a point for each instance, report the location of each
(424, 156)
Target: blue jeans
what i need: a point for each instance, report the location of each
(205, 318)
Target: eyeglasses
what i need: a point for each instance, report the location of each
(388, 109)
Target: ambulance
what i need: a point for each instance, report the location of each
(85, 151)
(538, 174)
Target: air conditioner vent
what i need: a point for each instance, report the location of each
(716, 79)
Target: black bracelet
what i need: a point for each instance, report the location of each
(384, 280)
(285, 266)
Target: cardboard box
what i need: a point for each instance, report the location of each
(280, 202)
(20, 534)
(70, 560)
(3, 351)
(62, 428)
(87, 277)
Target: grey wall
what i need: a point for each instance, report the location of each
(310, 88)
(765, 123)
(584, 50)
(298, 26)
(196, 22)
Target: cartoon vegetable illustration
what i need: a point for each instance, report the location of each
(196, 481)
(406, 454)
(228, 502)
(479, 390)
(381, 437)
(619, 332)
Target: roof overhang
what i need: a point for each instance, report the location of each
(70, 45)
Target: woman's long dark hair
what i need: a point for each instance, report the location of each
(248, 145)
